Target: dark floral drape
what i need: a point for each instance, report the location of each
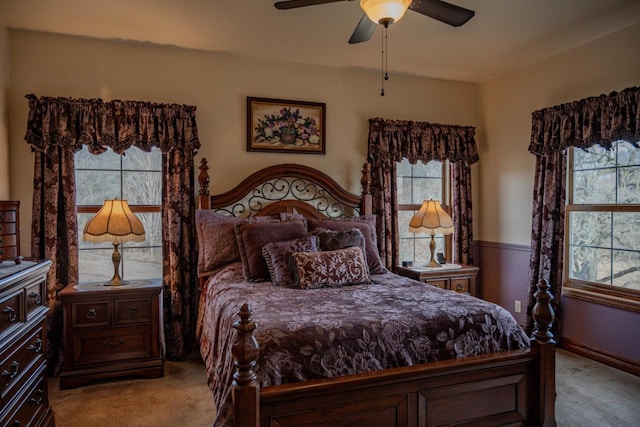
(392, 140)
(597, 120)
(59, 127)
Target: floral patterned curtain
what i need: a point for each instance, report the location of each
(590, 121)
(59, 127)
(392, 140)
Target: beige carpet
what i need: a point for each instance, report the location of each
(180, 398)
(589, 394)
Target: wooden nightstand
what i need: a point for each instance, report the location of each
(111, 331)
(461, 279)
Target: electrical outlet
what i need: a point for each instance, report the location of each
(518, 306)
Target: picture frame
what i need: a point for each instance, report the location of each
(285, 126)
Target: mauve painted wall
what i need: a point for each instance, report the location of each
(504, 275)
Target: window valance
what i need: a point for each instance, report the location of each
(70, 123)
(392, 140)
(590, 121)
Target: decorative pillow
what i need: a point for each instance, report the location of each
(251, 238)
(330, 268)
(217, 244)
(216, 241)
(278, 258)
(367, 225)
(331, 240)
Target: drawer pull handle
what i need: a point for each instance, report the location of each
(1, 229)
(10, 311)
(1, 217)
(38, 298)
(13, 371)
(38, 397)
(133, 309)
(36, 347)
(1, 242)
(91, 313)
(1, 250)
(112, 345)
(459, 287)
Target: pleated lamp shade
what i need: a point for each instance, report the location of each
(431, 219)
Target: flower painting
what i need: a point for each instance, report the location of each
(285, 126)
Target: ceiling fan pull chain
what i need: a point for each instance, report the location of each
(386, 55)
(382, 79)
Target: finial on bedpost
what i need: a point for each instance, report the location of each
(246, 390)
(203, 178)
(542, 341)
(543, 314)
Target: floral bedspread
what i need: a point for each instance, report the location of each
(313, 333)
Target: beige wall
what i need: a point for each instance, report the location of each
(507, 171)
(4, 119)
(218, 85)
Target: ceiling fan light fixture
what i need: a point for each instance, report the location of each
(385, 12)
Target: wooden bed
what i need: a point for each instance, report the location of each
(505, 388)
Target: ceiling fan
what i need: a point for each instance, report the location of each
(386, 12)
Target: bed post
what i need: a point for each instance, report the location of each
(542, 340)
(246, 390)
(204, 201)
(366, 206)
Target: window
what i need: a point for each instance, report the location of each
(137, 178)
(416, 183)
(603, 221)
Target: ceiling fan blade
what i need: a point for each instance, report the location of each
(292, 4)
(443, 11)
(363, 31)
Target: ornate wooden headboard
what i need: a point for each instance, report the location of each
(287, 188)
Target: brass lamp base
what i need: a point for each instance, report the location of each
(432, 247)
(116, 280)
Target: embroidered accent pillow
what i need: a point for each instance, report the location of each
(331, 268)
(278, 258)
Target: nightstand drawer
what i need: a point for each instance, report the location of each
(112, 344)
(8, 216)
(8, 252)
(8, 228)
(133, 311)
(440, 283)
(460, 284)
(8, 240)
(92, 314)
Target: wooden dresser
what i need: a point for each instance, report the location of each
(10, 231)
(24, 399)
(461, 279)
(111, 331)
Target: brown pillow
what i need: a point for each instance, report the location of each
(217, 244)
(367, 225)
(331, 268)
(278, 258)
(332, 240)
(253, 236)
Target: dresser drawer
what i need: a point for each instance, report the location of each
(8, 252)
(133, 311)
(8, 216)
(7, 228)
(7, 240)
(19, 361)
(11, 311)
(111, 344)
(440, 283)
(34, 296)
(460, 284)
(32, 406)
(92, 314)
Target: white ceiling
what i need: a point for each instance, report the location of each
(503, 36)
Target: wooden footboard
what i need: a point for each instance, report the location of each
(514, 388)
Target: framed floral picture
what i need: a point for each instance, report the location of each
(283, 126)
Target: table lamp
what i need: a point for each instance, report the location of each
(432, 219)
(114, 223)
